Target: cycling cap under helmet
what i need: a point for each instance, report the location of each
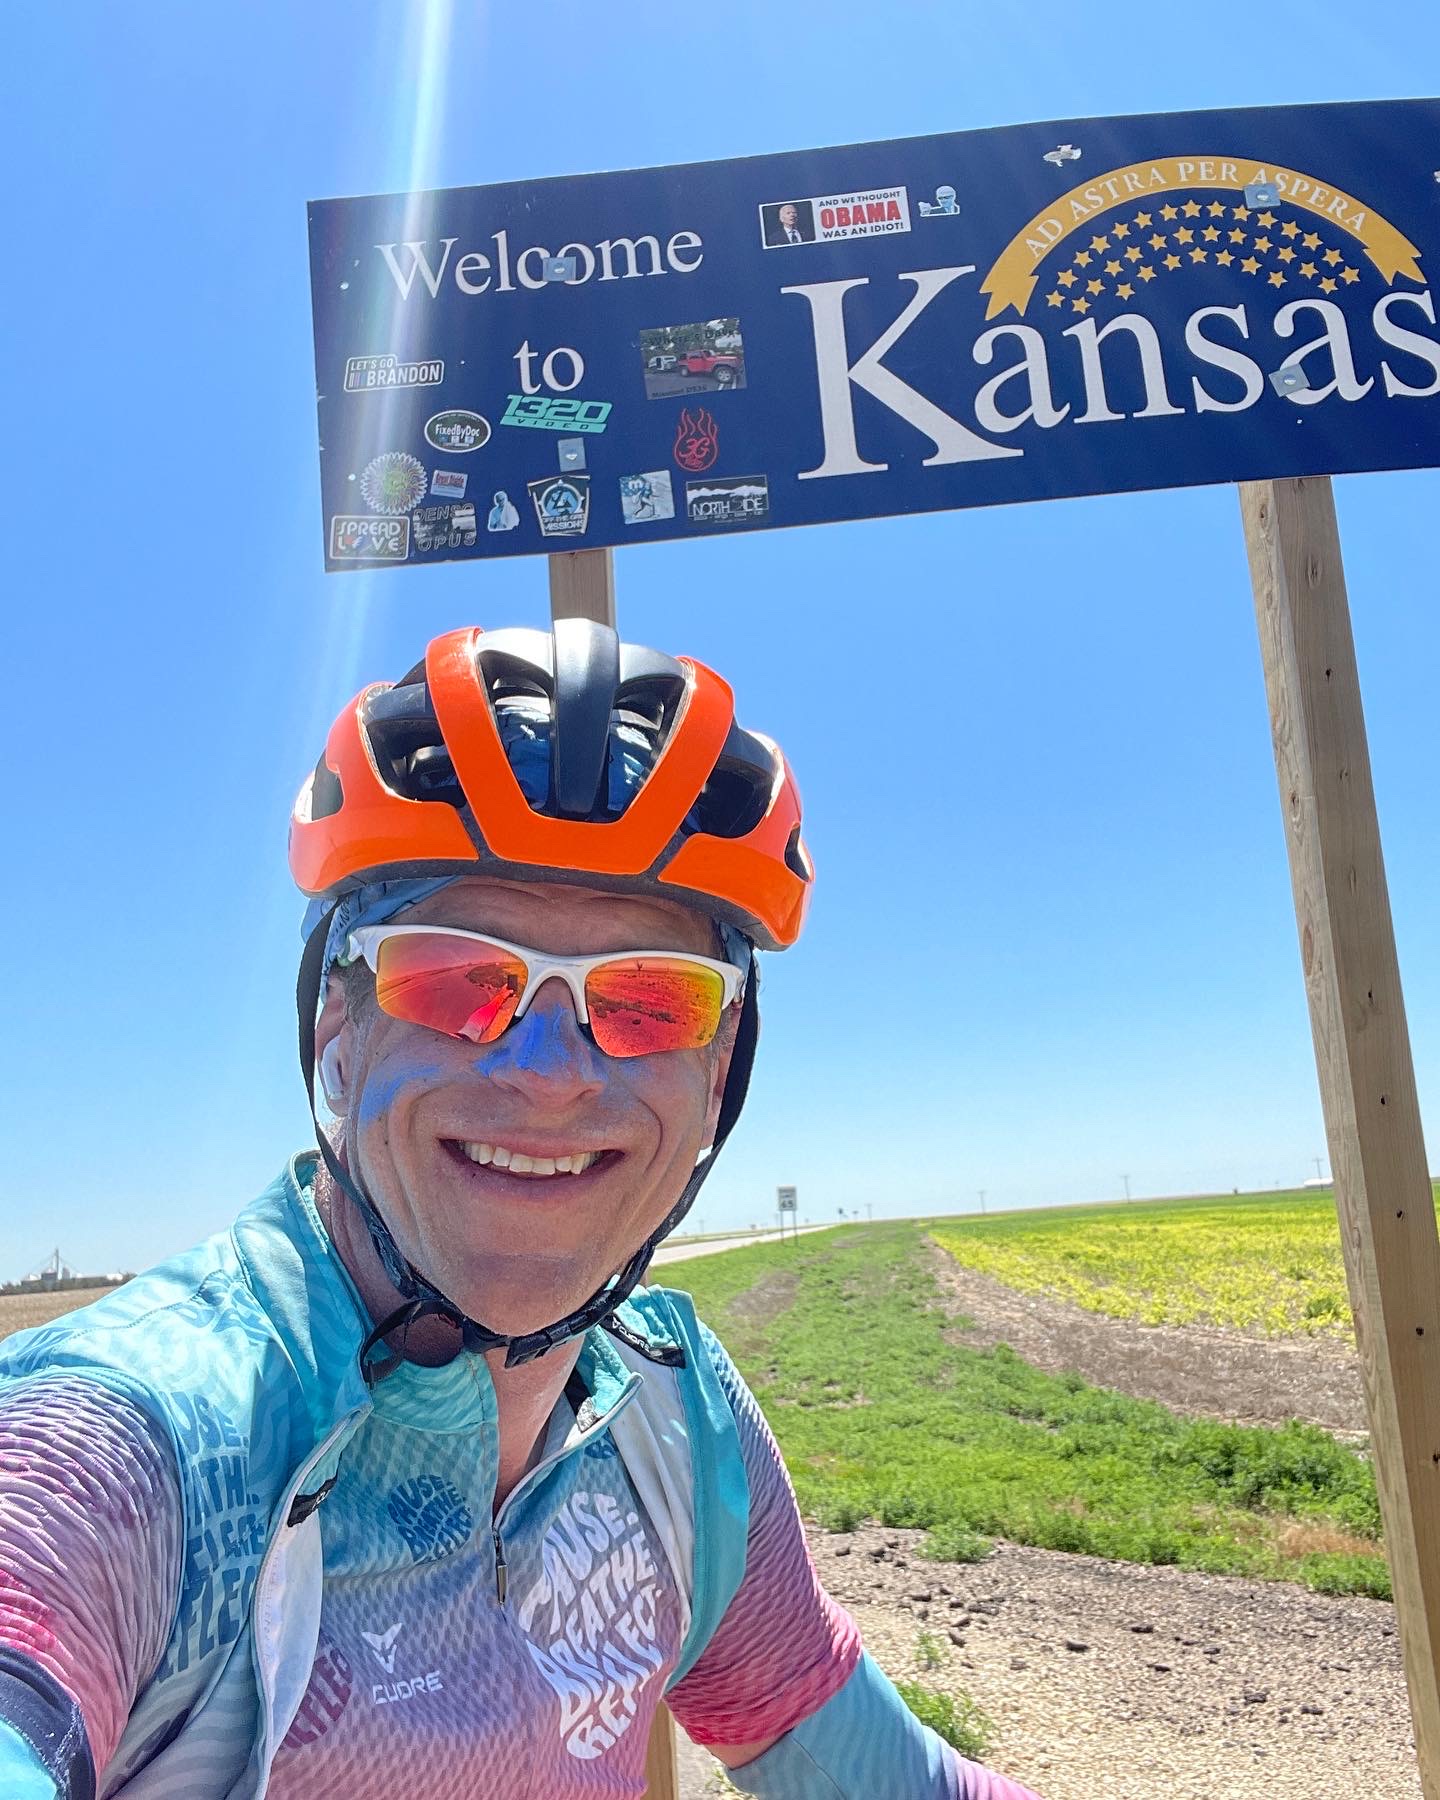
(555, 756)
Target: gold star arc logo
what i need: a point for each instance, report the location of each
(1012, 278)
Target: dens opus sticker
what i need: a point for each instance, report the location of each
(444, 527)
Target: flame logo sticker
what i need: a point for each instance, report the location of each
(697, 441)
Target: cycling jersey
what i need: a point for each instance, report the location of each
(232, 1570)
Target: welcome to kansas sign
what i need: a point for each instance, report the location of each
(952, 321)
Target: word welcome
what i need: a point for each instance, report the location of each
(617, 259)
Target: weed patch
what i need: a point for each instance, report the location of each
(1269, 1264)
(956, 1718)
(880, 1417)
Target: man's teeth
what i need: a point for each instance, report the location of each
(519, 1164)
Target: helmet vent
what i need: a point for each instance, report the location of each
(736, 797)
(408, 746)
(326, 794)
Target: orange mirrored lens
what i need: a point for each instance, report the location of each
(463, 987)
(638, 1005)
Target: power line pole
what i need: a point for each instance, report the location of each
(1319, 1172)
(1126, 1180)
(982, 1193)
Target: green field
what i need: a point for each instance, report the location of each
(1263, 1263)
(846, 1341)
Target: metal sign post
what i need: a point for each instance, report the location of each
(1362, 1047)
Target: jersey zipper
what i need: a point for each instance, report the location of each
(546, 1463)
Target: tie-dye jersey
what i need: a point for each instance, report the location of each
(519, 1655)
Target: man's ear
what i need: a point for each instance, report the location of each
(334, 1050)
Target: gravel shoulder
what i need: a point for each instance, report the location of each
(1132, 1683)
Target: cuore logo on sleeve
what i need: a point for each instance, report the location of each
(457, 430)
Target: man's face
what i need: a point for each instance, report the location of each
(788, 217)
(517, 1251)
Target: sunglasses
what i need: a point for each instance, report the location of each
(468, 985)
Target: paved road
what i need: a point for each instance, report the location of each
(679, 1252)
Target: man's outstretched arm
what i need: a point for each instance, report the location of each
(90, 1544)
(865, 1742)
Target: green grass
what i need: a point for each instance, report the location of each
(955, 1717)
(844, 1339)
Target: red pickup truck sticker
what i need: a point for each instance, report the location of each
(706, 357)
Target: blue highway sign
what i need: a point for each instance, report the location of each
(962, 320)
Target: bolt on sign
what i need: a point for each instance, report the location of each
(962, 320)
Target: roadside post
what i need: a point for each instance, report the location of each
(1362, 1046)
(1237, 297)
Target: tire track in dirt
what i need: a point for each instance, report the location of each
(1196, 1369)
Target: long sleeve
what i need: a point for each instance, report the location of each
(91, 1525)
(866, 1744)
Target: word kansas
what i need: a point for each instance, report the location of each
(502, 269)
(1091, 373)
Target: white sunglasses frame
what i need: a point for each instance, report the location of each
(364, 945)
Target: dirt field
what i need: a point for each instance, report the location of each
(20, 1311)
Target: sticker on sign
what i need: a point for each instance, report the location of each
(366, 374)
(364, 538)
(826, 218)
(729, 500)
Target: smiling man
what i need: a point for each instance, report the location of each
(406, 1483)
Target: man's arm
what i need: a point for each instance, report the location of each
(91, 1524)
(783, 1692)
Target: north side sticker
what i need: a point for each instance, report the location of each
(826, 218)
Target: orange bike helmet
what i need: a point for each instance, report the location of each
(564, 756)
(446, 772)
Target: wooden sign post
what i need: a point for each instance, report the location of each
(582, 586)
(1362, 1048)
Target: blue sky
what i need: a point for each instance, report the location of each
(1057, 827)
